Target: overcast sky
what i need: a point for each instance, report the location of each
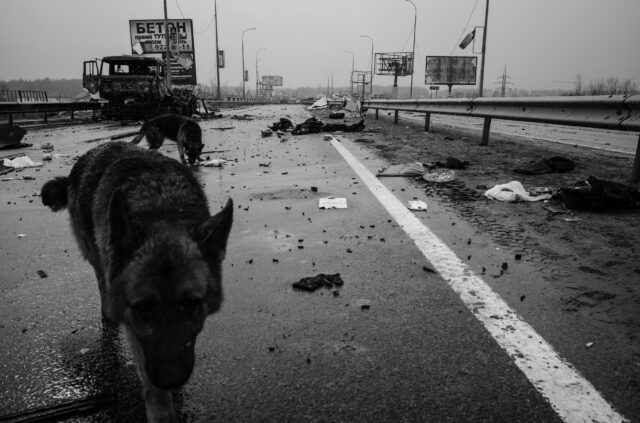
(543, 43)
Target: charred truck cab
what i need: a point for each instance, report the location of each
(135, 87)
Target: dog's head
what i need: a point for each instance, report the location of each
(167, 290)
(193, 142)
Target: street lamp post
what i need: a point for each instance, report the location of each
(243, 91)
(259, 50)
(353, 59)
(413, 59)
(371, 62)
(215, 16)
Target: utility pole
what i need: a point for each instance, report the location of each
(484, 49)
(215, 17)
(167, 59)
(413, 54)
(371, 63)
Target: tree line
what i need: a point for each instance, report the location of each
(604, 86)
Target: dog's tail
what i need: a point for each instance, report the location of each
(55, 194)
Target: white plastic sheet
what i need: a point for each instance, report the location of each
(332, 203)
(21, 162)
(511, 192)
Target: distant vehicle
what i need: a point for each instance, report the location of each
(379, 96)
(135, 87)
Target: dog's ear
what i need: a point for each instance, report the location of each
(212, 235)
(121, 231)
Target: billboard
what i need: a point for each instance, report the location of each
(148, 37)
(273, 80)
(451, 70)
(400, 64)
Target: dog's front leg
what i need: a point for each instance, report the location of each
(181, 148)
(158, 402)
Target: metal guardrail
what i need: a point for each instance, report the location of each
(621, 113)
(23, 96)
(46, 108)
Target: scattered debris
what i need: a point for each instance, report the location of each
(213, 163)
(312, 283)
(588, 345)
(223, 128)
(264, 164)
(266, 133)
(571, 219)
(417, 205)
(243, 117)
(21, 162)
(511, 192)
(453, 163)
(332, 203)
(282, 125)
(363, 304)
(10, 136)
(428, 269)
(597, 195)
(319, 105)
(19, 178)
(42, 274)
(440, 176)
(406, 169)
(47, 146)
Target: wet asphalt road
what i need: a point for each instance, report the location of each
(272, 353)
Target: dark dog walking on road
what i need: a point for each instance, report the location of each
(184, 131)
(142, 220)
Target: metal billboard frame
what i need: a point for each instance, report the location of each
(395, 64)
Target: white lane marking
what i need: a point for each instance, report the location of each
(572, 396)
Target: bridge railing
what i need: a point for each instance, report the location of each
(621, 113)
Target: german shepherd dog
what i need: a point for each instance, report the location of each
(142, 220)
(184, 131)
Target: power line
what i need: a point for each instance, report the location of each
(464, 30)
(197, 32)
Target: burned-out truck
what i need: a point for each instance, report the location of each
(135, 87)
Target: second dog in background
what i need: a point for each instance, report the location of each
(184, 131)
